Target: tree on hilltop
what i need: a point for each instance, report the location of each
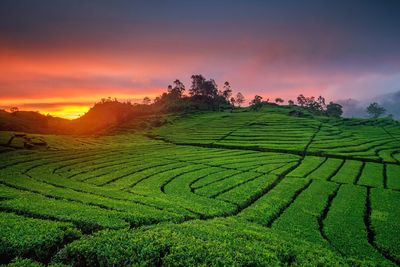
(227, 91)
(202, 87)
(279, 100)
(256, 103)
(240, 99)
(375, 110)
(316, 105)
(233, 101)
(301, 100)
(178, 89)
(334, 110)
(321, 102)
(146, 100)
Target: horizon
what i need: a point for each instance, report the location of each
(60, 58)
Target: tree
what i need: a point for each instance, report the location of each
(227, 92)
(291, 103)
(279, 100)
(239, 99)
(301, 100)
(375, 110)
(321, 102)
(334, 110)
(146, 101)
(202, 87)
(14, 109)
(178, 89)
(256, 103)
(157, 100)
(210, 88)
(233, 101)
(312, 104)
(197, 84)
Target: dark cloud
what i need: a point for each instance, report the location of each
(258, 44)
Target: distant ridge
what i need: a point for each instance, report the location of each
(100, 117)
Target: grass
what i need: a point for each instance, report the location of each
(242, 188)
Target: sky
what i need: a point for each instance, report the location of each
(60, 57)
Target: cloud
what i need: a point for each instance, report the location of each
(129, 49)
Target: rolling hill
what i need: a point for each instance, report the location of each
(214, 188)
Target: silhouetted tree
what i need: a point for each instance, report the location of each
(202, 87)
(321, 102)
(375, 110)
(279, 100)
(291, 103)
(146, 101)
(178, 89)
(196, 87)
(301, 100)
(210, 88)
(157, 100)
(233, 101)
(312, 104)
(334, 110)
(227, 91)
(14, 109)
(239, 99)
(256, 103)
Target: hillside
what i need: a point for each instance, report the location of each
(215, 188)
(31, 122)
(100, 118)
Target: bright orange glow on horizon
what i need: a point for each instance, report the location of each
(67, 83)
(67, 108)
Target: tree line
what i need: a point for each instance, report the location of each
(204, 94)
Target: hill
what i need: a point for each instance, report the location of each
(101, 117)
(266, 188)
(31, 122)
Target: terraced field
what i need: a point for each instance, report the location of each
(243, 188)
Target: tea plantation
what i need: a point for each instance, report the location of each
(213, 189)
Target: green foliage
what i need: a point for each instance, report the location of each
(307, 166)
(301, 218)
(344, 225)
(393, 176)
(372, 175)
(326, 170)
(334, 110)
(36, 238)
(266, 209)
(211, 243)
(349, 172)
(384, 219)
(256, 103)
(262, 184)
(375, 110)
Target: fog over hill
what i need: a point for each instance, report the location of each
(357, 108)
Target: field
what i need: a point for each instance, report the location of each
(243, 188)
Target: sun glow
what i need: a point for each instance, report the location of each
(68, 112)
(68, 108)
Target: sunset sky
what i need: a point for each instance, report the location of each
(60, 57)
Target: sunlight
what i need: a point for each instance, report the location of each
(67, 112)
